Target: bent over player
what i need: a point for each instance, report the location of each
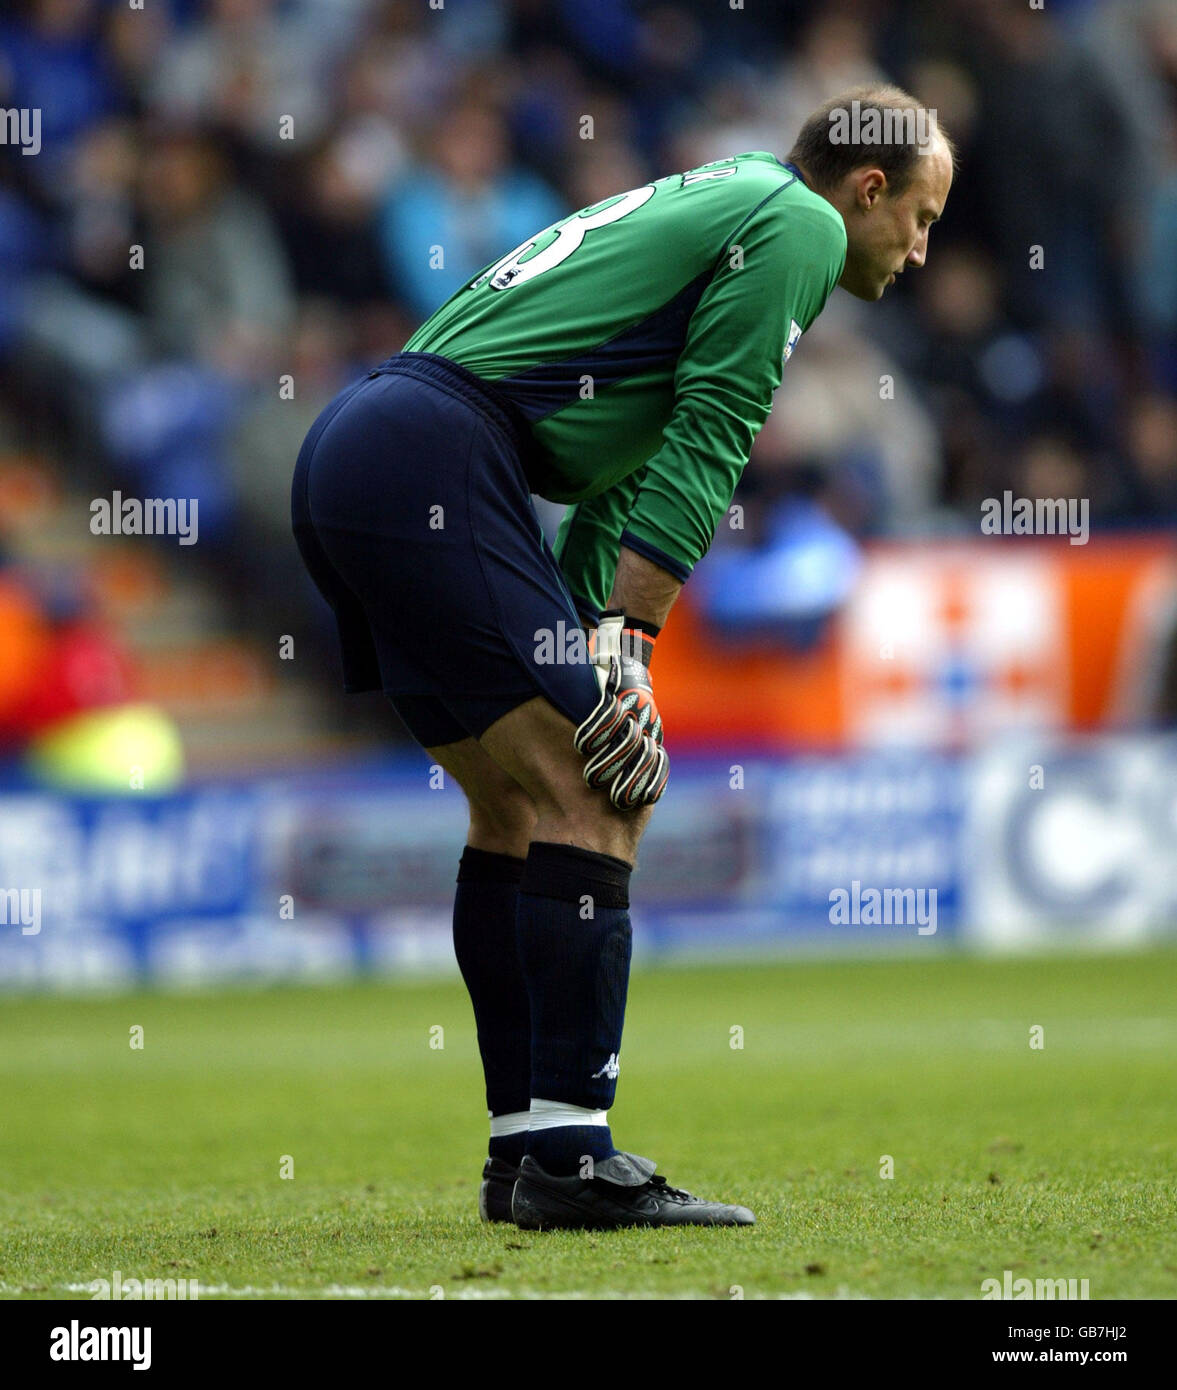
(622, 360)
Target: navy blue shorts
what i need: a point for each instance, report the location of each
(412, 510)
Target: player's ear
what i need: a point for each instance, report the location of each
(872, 184)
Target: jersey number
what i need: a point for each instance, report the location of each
(509, 272)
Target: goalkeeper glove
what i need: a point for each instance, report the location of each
(622, 737)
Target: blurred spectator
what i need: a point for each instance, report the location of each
(447, 218)
(245, 66)
(328, 222)
(218, 286)
(844, 404)
(1070, 184)
(269, 432)
(52, 61)
(1152, 452)
(787, 587)
(1157, 277)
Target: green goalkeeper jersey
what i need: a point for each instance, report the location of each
(643, 338)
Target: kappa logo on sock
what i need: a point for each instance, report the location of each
(611, 1069)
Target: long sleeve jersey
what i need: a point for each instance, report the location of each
(642, 339)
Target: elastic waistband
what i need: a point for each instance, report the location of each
(431, 366)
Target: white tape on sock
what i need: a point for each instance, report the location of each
(517, 1122)
(552, 1114)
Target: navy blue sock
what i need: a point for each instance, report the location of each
(509, 1147)
(562, 1150)
(574, 946)
(488, 957)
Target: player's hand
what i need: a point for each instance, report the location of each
(622, 738)
(635, 692)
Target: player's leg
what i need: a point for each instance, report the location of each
(574, 944)
(578, 975)
(501, 818)
(414, 496)
(533, 744)
(501, 814)
(574, 936)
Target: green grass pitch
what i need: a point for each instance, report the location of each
(1051, 1162)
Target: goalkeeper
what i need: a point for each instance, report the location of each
(621, 361)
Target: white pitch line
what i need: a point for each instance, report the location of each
(344, 1291)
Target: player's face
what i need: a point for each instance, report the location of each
(886, 233)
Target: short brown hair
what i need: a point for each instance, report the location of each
(842, 135)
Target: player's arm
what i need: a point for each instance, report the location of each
(772, 280)
(588, 542)
(642, 590)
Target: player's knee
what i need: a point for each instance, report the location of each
(621, 833)
(588, 818)
(501, 820)
(534, 743)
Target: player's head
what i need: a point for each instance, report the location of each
(882, 159)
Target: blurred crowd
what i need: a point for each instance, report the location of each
(230, 193)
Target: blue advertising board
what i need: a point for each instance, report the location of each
(323, 876)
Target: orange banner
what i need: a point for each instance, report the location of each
(942, 645)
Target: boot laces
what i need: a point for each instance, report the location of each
(676, 1194)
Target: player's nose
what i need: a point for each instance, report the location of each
(919, 252)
